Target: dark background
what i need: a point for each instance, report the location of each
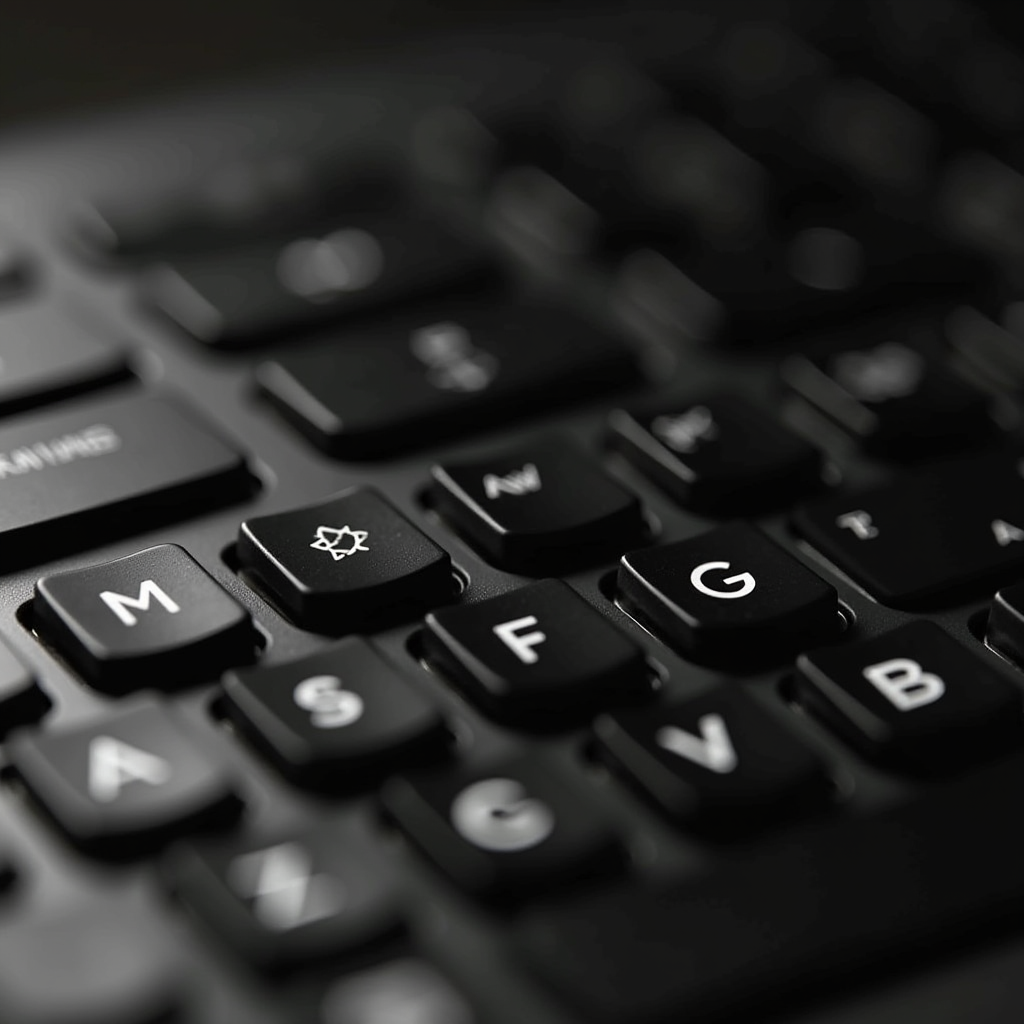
(64, 56)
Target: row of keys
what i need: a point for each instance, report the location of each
(912, 699)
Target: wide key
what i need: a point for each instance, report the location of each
(952, 529)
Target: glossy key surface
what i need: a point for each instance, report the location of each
(731, 594)
(347, 562)
(547, 502)
(928, 536)
(51, 353)
(95, 469)
(238, 297)
(154, 617)
(396, 386)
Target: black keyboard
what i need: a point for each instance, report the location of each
(527, 529)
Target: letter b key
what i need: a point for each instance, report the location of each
(913, 698)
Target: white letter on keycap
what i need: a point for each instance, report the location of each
(520, 646)
(713, 749)
(902, 682)
(119, 604)
(112, 764)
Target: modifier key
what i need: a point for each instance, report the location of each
(952, 529)
(92, 471)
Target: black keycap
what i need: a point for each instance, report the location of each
(97, 965)
(154, 618)
(913, 697)
(1005, 631)
(410, 991)
(390, 388)
(49, 353)
(335, 715)
(69, 479)
(21, 699)
(536, 655)
(928, 536)
(846, 896)
(822, 269)
(720, 455)
(895, 398)
(729, 595)
(282, 904)
(716, 761)
(509, 831)
(129, 778)
(541, 503)
(346, 562)
(231, 299)
(243, 201)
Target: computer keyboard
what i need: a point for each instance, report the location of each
(525, 528)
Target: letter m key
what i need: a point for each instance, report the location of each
(120, 603)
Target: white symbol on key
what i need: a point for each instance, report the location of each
(340, 542)
(148, 590)
(522, 646)
(114, 764)
(744, 579)
(285, 893)
(496, 814)
(453, 362)
(320, 269)
(860, 523)
(1006, 533)
(684, 433)
(904, 684)
(889, 371)
(331, 706)
(713, 749)
(517, 483)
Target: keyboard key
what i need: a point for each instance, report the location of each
(730, 595)
(48, 354)
(284, 904)
(1005, 630)
(336, 716)
(407, 991)
(21, 698)
(536, 655)
(930, 536)
(242, 201)
(99, 965)
(390, 388)
(97, 470)
(127, 779)
(346, 562)
(510, 831)
(913, 697)
(542, 503)
(714, 762)
(235, 298)
(842, 898)
(720, 455)
(896, 399)
(827, 265)
(154, 618)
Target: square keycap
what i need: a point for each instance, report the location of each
(346, 562)
(133, 776)
(155, 618)
(536, 652)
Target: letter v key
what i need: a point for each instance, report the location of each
(713, 749)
